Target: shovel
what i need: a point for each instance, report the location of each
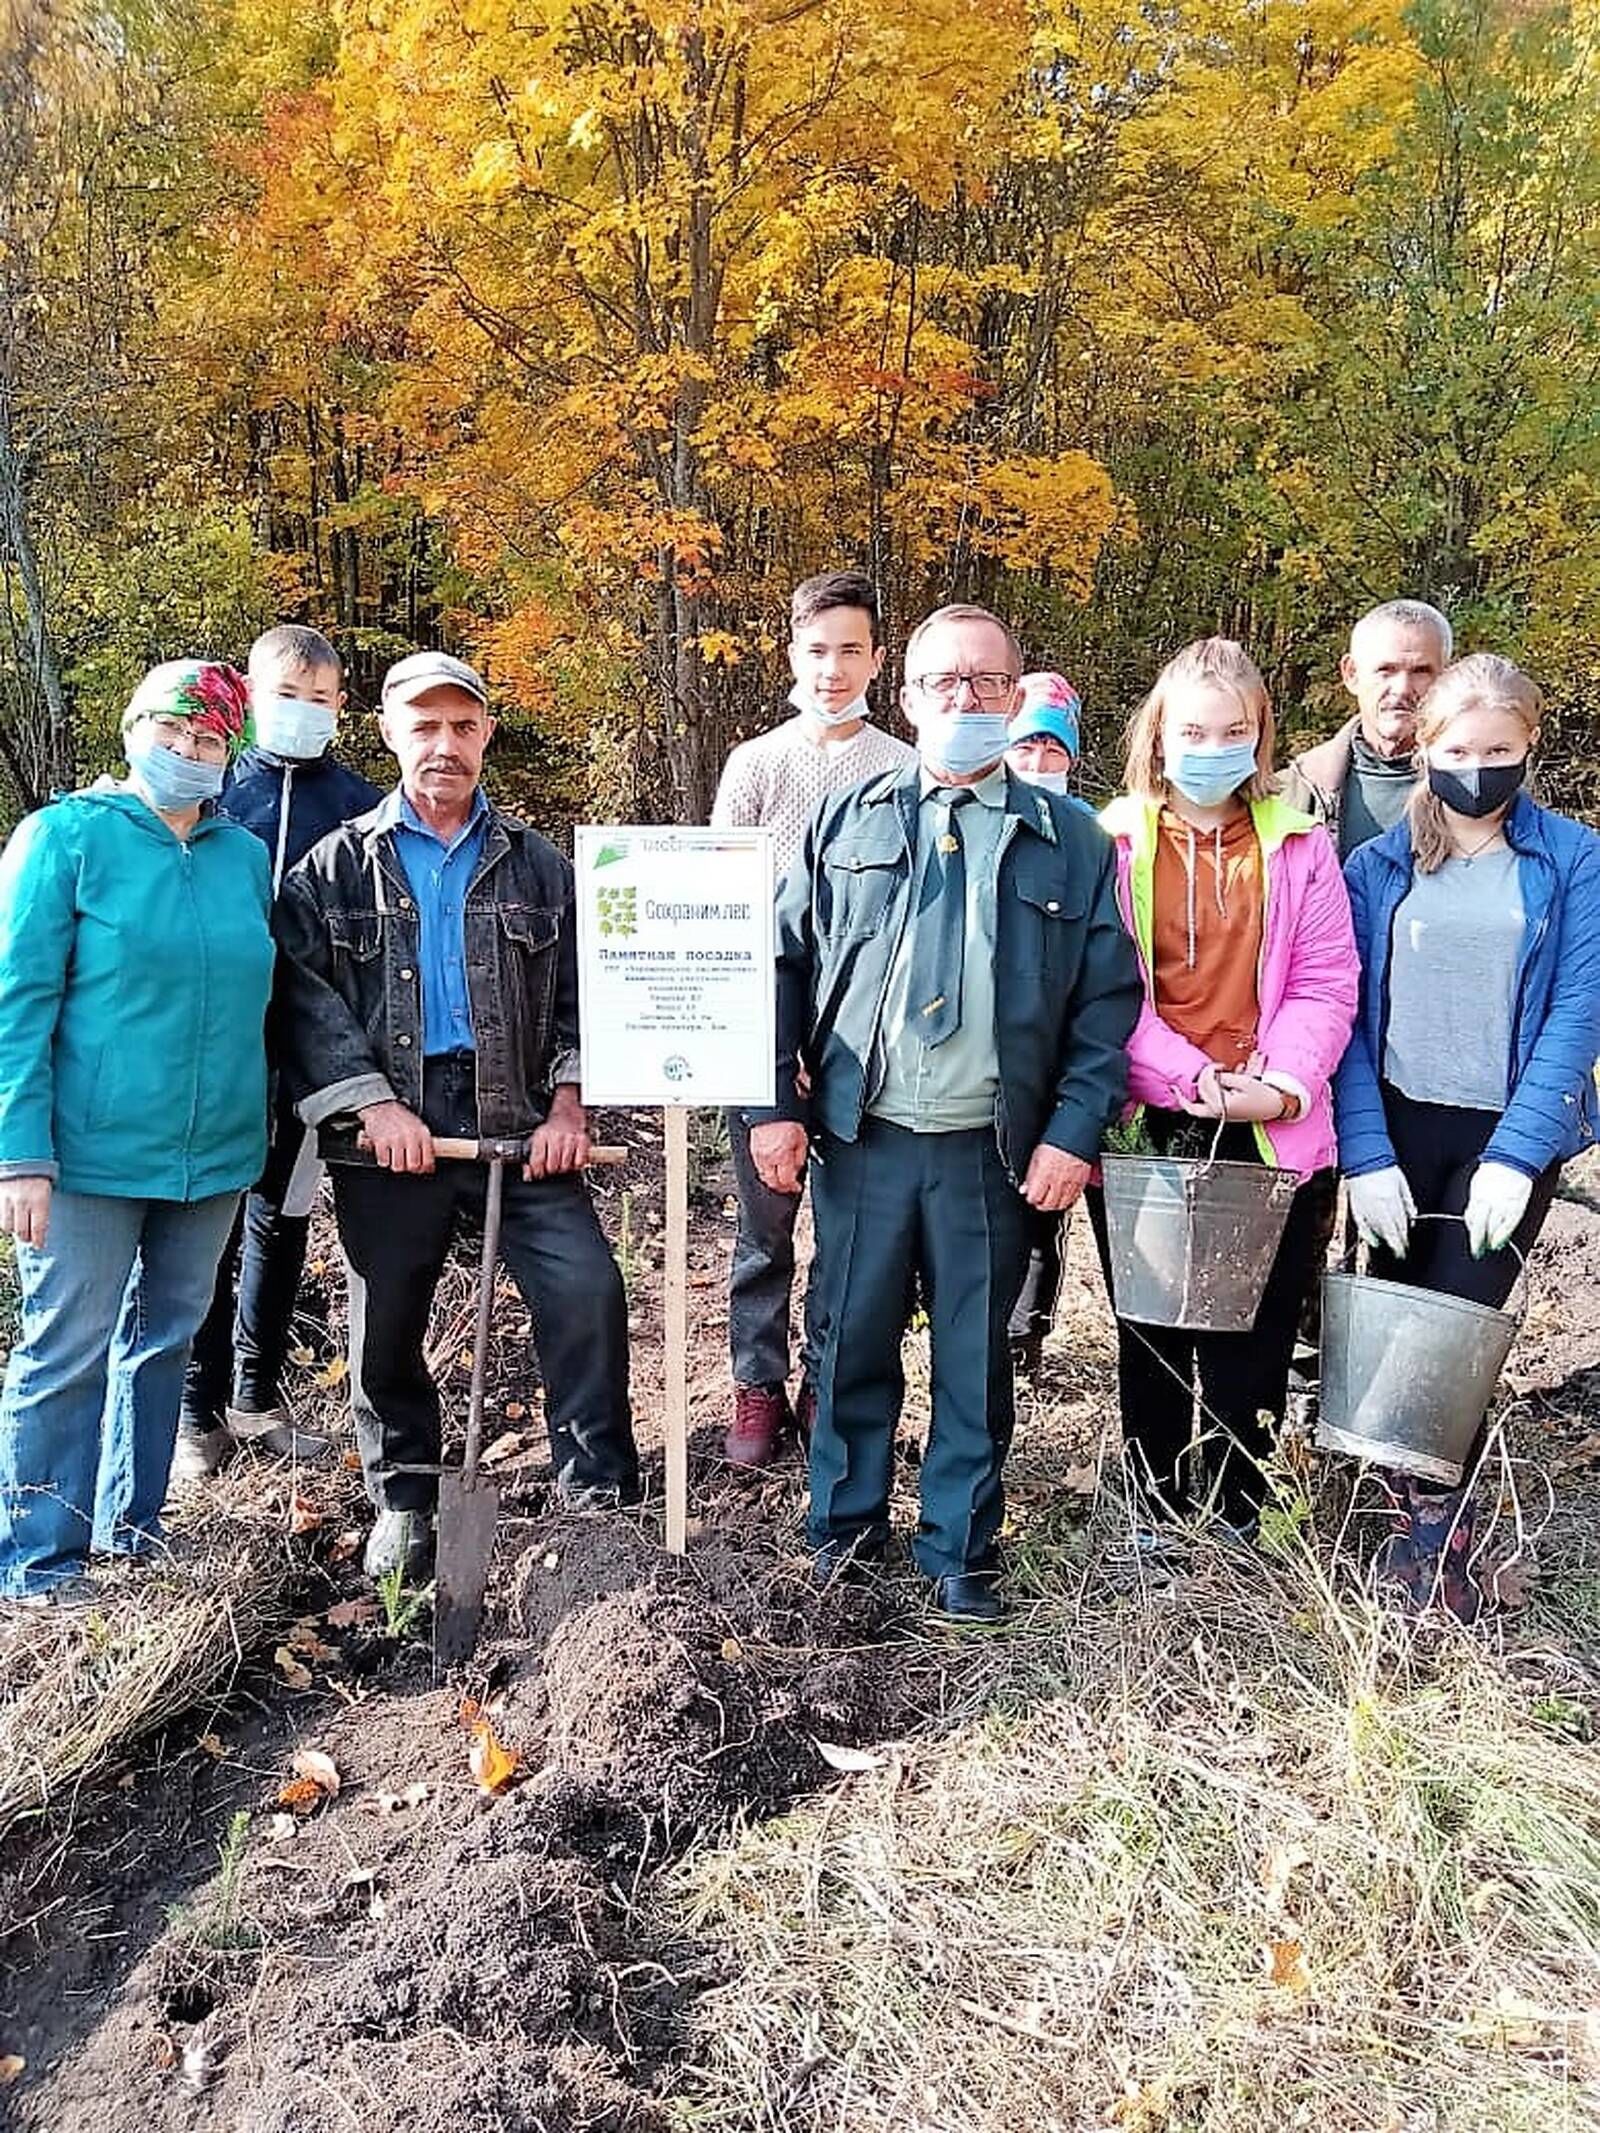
(469, 1505)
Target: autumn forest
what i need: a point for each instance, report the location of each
(568, 333)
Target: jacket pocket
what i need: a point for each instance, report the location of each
(861, 892)
(1049, 931)
(356, 934)
(530, 927)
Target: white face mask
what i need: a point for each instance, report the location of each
(1052, 780)
(841, 715)
(293, 726)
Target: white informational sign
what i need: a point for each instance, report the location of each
(676, 982)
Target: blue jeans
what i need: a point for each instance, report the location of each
(90, 1407)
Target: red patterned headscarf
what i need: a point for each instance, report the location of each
(216, 698)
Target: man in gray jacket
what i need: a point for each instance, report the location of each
(955, 980)
(1358, 781)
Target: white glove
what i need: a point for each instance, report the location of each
(1496, 1203)
(1382, 1208)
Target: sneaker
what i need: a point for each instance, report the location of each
(762, 1418)
(400, 1540)
(272, 1430)
(200, 1453)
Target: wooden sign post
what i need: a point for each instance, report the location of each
(676, 1008)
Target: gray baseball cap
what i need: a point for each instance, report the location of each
(410, 678)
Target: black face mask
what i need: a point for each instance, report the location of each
(1479, 792)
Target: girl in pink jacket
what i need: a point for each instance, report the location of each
(1238, 911)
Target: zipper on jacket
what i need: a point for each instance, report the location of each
(203, 974)
(285, 802)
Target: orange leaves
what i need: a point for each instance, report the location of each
(315, 1779)
(492, 1763)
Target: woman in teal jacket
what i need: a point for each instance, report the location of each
(135, 964)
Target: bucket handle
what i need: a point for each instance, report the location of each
(1521, 1313)
(1222, 1127)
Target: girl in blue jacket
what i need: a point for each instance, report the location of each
(1469, 1077)
(135, 963)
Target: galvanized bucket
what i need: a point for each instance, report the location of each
(1407, 1373)
(1192, 1241)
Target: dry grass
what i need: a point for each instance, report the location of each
(78, 1686)
(1218, 1850)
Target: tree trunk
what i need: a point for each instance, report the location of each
(43, 754)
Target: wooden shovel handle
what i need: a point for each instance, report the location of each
(459, 1151)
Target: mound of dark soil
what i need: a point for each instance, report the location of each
(466, 1962)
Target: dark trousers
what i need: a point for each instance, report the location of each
(762, 1278)
(239, 1353)
(1236, 1377)
(1439, 1146)
(1034, 1312)
(396, 1232)
(900, 1214)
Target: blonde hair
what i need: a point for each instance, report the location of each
(1483, 681)
(1215, 662)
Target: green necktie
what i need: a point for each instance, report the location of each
(933, 999)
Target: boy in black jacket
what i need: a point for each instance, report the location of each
(290, 791)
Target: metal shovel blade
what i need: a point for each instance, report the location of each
(469, 1505)
(467, 1514)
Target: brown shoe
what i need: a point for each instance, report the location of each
(762, 1418)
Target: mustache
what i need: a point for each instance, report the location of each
(447, 762)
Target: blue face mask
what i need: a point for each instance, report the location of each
(1208, 776)
(969, 742)
(170, 780)
(292, 726)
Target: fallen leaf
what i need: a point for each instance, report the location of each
(164, 2052)
(504, 1447)
(335, 1373)
(302, 1796)
(514, 1410)
(852, 1762)
(377, 1906)
(1288, 1965)
(304, 1517)
(213, 1745)
(491, 1762)
(550, 1560)
(350, 1461)
(396, 1803)
(346, 1545)
(304, 1641)
(201, 2063)
(1279, 1867)
(301, 1357)
(281, 1829)
(318, 1268)
(1584, 1453)
(10, 2067)
(294, 1674)
(346, 1614)
(320, 1769)
(732, 1649)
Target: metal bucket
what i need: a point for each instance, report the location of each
(1192, 1242)
(1407, 1373)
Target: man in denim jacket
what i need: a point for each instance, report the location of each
(430, 986)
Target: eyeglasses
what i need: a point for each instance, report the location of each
(986, 688)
